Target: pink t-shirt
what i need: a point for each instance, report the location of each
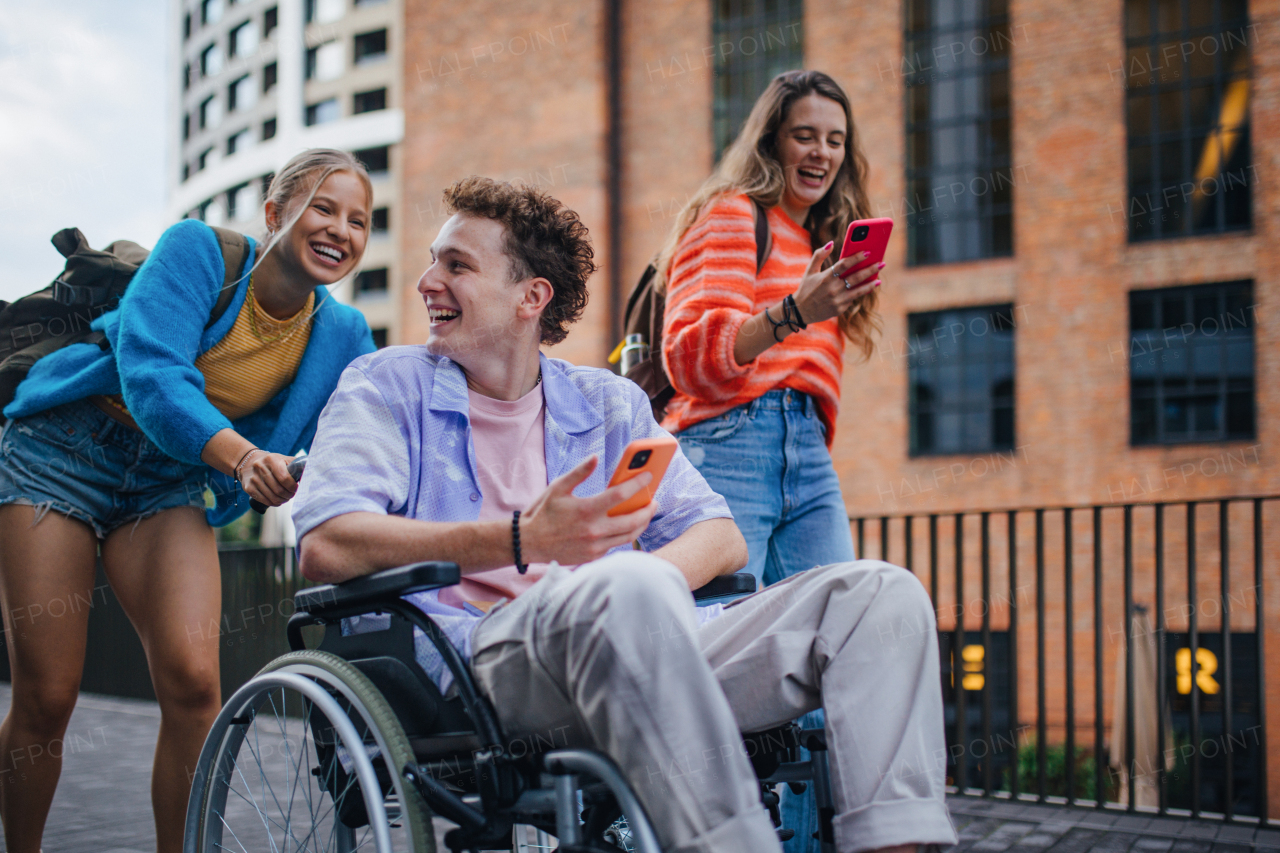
(512, 462)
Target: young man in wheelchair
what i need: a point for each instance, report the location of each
(478, 449)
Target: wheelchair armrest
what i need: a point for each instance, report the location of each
(740, 583)
(369, 589)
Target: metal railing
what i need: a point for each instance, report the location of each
(1220, 776)
(1035, 570)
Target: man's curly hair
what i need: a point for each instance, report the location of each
(544, 238)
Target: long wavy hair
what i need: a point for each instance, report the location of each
(750, 165)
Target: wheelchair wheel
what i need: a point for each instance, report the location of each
(306, 756)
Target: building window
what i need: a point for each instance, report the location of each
(367, 102)
(324, 62)
(379, 337)
(203, 160)
(323, 112)
(270, 20)
(374, 159)
(210, 61)
(960, 364)
(210, 11)
(209, 112)
(980, 668)
(265, 183)
(186, 171)
(323, 11)
(186, 126)
(238, 141)
(269, 72)
(268, 129)
(380, 221)
(371, 281)
(960, 181)
(241, 94)
(1191, 374)
(186, 26)
(370, 47)
(243, 40)
(758, 39)
(239, 202)
(1186, 76)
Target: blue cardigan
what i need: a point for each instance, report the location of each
(156, 335)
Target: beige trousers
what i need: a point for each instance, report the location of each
(610, 656)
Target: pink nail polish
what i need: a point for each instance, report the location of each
(829, 245)
(881, 266)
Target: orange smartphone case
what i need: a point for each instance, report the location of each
(660, 451)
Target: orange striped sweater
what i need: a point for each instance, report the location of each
(712, 290)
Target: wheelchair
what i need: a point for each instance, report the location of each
(351, 746)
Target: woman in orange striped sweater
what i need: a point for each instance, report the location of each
(756, 359)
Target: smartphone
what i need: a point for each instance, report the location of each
(643, 454)
(866, 235)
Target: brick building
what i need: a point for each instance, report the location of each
(1076, 304)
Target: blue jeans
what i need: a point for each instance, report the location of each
(769, 460)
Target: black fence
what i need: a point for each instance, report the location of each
(1065, 603)
(1055, 599)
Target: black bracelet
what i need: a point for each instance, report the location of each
(791, 313)
(777, 324)
(515, 542)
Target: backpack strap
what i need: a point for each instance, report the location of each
(764, 239)
(235, 251)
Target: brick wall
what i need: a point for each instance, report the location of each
(474, 106)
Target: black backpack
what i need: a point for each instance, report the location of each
(90, 285)
(644, 314)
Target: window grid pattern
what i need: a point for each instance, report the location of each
(960, 180)
(1187, 81)
(1191, 364)
(754, 41)
(960, 366)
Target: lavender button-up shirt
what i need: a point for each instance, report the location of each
(395, 438)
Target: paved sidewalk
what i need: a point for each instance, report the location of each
(103, 804)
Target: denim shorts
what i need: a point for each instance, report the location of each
(78, 461)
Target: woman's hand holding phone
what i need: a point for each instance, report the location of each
(823, 294)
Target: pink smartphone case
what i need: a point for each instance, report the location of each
(877, 240)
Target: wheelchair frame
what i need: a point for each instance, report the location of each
(460, 768)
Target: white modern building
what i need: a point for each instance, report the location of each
(253, 82)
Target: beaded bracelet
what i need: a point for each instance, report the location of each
(515, 542)
(240, 464)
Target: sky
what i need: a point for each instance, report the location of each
(82, 129)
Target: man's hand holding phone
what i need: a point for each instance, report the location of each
(571, 530)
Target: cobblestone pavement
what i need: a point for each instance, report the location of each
(103, 804)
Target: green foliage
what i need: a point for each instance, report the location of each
(244, 530)
(1056, 772)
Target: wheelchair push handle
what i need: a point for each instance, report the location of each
(296, 467)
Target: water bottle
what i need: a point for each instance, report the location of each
(634, 351)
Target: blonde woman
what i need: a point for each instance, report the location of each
(112, 449)
(756, 360)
